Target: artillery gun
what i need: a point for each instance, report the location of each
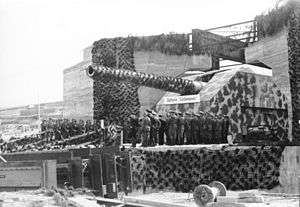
(166, 83)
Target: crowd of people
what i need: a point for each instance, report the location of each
(172, 128)
(65, 128)
(63, 133)
(176, 128)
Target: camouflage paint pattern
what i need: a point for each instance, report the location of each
(246, 97)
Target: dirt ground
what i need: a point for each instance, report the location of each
(25, 199)
(30, 198)
(36, 199)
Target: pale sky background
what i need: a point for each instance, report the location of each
(39, 38)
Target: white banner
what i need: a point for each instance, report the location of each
(180, 99)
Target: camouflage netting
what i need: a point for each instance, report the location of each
(294, 67)
(182, 170)
(170, 44)
(276, 19)
(115, 101)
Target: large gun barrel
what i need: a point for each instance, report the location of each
(166, 83)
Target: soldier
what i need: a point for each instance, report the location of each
(62, 129)
(213, 131)
(204, 133)
(92, 126)
(50, 133)
(180, 136)
(72, 128)
(81, 126)
(43, 125)
(172, 127)
(196, 132)
(69, 127)
(218, 129)
(57, 133)
(168, 135)
(188, 128)
(225, 128)
(201, 123)
(133, 129)
(43, 129)
(146, 124)
(162, 130)
(151, 140)
(76, 128)
(156, 126)
(87, 126)
(209, 128)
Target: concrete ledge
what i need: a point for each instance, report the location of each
(152, 203)
(234, 199)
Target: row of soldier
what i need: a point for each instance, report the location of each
(176, 128)
(65, 128)
(59, 133)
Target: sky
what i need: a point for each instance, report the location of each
(41, 38)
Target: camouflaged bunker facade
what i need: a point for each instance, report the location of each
(248, 96)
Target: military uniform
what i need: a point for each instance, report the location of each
(156, 125)
(211, 128)
(43, 128)
(201, 122)
(81, 126)
(172, 128)
(205, 135)
(188, 129)
(196, 127)
(162, 130)
(87, 126)
(146, 124)
(181, 132)
(57, 133)
(133, 129)
(167, 131)
(225, 128)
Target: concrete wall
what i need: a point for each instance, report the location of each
(273, 52)
(165, 65)
(290, 170)
(87, 53)
(78, 92)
